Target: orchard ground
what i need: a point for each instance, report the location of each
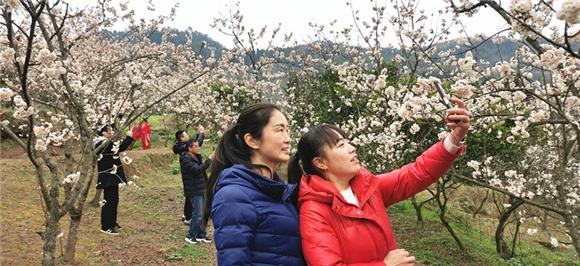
(153, 233)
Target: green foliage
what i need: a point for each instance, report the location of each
(237, 99)
(433, 245)
(155, 137)
(323, 92)
(175, 169)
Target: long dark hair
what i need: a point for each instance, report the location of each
(310, 146)
(232, 149)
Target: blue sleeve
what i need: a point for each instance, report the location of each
(234, 218)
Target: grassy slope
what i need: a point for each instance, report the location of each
(433, 245)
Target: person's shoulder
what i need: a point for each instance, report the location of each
(233, 193)
(313, 208)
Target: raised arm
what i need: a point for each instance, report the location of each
(433, 163)
(412, 178)
(200, 135)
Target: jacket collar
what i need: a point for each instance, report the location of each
(316, 188)
(243, 175)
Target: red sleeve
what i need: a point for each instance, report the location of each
(412, 178)
(319, 241)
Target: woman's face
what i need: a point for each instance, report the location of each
(274, 146)
(341, 160)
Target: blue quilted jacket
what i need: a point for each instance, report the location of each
(254, 219)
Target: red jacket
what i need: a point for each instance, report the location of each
(335, 232)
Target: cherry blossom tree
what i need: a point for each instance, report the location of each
(65, 77)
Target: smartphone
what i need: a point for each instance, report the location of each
(442, 94)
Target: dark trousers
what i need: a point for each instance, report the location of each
(196, 229)
(187, 209)
(109, 210)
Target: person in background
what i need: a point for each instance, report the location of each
(145, 130)
(110, 175)
(193, 173)
(343, 217)
(179, 147)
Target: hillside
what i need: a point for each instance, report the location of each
(487, 51)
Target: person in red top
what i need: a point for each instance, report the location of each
(145, 130)
(343, 217)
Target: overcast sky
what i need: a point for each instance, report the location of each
(293, 14)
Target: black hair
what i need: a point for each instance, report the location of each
(190, 142)
(233, 149)
(178, 135)
(103, 129)
(106, 128)
(310, 146)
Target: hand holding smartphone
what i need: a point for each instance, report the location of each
(442, 94)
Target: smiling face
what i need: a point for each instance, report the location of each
(339, 161)
(274, 145)
(194, 149)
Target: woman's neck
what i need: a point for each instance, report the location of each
(256, 160)
(340, 183)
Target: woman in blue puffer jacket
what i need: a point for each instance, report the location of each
(255, 220)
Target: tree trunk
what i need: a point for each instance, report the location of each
(443, 210)
(500, 245)
(97, 198)
(451, 231)
(49, 237)
(165, 130)
(417, 207)
(69, 254)
(573, 233)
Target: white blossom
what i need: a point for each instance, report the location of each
(554, 242)
(414, 129)
(127, 160)
(6, 94)
(531, 231)
(570, 11)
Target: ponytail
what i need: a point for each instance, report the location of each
(295, 172)
(228, 143)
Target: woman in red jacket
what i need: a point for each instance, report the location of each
(343, 218)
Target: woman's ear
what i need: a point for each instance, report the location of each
(320, 163)
(251, 141)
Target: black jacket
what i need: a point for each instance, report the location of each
(180, 147)
(106, 164)
(193, 174)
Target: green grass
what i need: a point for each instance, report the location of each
(186, 252)
(433, 245)
(7, 143)
(156, 122)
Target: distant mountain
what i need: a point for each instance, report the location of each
(178, 37)
(487, 51)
